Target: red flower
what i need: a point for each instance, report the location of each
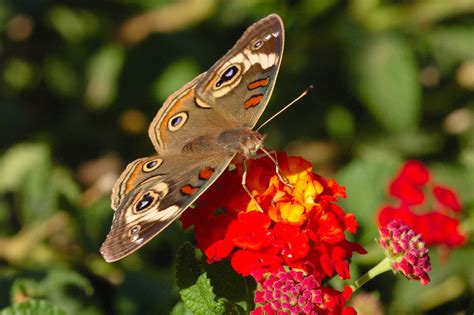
(293, 243)
(436, 225)
(407, 186)
(251, 231)
(447, 197)
(438, 228)
(415, 172)
(246, 262)
(300, 226)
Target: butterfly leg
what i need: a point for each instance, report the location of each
(278, 170)
(244, 185)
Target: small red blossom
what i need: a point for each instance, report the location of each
(415, 172)
(300, 227)
(251, 231)
(447, 197)
(247, 262)
(407, 186)
(437, 223)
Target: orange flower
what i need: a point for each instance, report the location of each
(296, 224)
(291, 204)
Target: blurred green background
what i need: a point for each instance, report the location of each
(81, 80)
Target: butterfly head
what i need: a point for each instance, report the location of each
(250, 142)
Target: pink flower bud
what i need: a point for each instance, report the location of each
(406, 250)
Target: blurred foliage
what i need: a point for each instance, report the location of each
(81, 80)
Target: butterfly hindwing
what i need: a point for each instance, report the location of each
(156, 198)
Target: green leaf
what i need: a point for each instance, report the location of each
(63, 182)
(234, 309)
(195, 287)
(27, 170)
(55, 287)
(60, 77)
(103, 73)
(229, 284)
(385, 77)
(317, 8)
(24, 288)
(452, 44)
(60, 278)
(33, 307)
(20, 160)
(174, 77)
(19, 74)
(72, 24)
(366, 181)
(5, 216)
(180, 309)
(38, 198)
(144, 291)
(200, 299)
(188, 268)
(339, 122)
(5, 13)
(416, 143)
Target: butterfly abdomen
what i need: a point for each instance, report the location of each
(201, 144)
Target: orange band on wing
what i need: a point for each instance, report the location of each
(257, 84)
(131, 181)
(253, 101)
(188, 190)
(176, 106)
(206, 173)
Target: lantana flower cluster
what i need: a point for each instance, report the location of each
(405, 253)
(291, 292)
(426, 206)
(406, 250)
(296, 225)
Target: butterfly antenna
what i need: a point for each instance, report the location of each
(308, 89)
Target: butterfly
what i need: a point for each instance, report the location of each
(196, 134)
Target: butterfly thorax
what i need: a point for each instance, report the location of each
(243, 141)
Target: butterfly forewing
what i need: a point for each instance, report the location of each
(240, 84)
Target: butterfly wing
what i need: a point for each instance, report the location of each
(240, 84)
(151, 193)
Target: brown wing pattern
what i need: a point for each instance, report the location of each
(156, 199)
(180, 120)
(240, 84)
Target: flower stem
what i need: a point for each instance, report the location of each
(381, 267)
